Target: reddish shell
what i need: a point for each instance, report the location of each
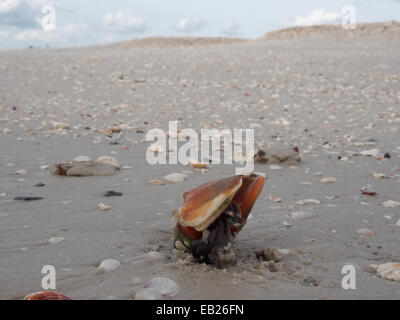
(46, 295)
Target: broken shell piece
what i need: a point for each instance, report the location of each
(148, 294)
(370, 153)
(197, 165)
(329, 180)
(55, 240)
(109, 160)
(367, 190)
(302, 215)
(103, 207)
(61, 125)
(274, 199)
(390, 204)
(176, 177)
(82, 159)
(165, 286)
(46, 295)
(389, 271)
(366, 232)
(308, 201)
(83, 169)
(157, 182)
(109, 265)
(20, 172)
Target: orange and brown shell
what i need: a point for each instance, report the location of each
(46, 295)
(203, 205)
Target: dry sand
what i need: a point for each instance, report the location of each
(330, 97)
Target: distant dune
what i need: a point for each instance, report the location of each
(386, 29)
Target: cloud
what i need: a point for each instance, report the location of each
(319, 16)
(191, 25)
(69, 33)
(21, 13)
(231, 29)
(125, 21)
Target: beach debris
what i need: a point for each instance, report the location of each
(27, 198)
(197, 165)
(379, 175)
(103, 207)
(329, 180)
(387, 155)
(213, 214)
(20, 172)
(368, 191)
(109, 265)
(55, 240)
(370, 153)
(176, 177)
(82, 159)
(389, 271)
(310, 282)
(166, 286)
(274, 199)
(390, 204)
(111, 193)
(308, 201)
(157, 182)
(278, 155)
(39, 185)
(83, 169)
(148, 294)
(366, 232)
(61, 125)
(46, 295)
(302, 214)
(109, 160)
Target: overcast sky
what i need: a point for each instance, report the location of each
(84, 22)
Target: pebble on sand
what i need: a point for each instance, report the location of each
(109, 265)
(61, 125)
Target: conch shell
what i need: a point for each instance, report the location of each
(214, 213)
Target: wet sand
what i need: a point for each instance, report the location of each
(333, 98)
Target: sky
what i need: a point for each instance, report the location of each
(65, 23)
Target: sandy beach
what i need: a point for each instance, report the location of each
(336, 98)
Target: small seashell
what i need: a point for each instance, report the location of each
(308, 201)
(274, 198)
(109, 265)
(46, 295)
(103, 207)
(165, 286)
(109, 160)
(157, 182)
(367, 190)
(61, 125)
(20, 172)
(176, 177)
(390, 204)
(148, 294)
(366, 232)
(370, 153)
(329, 180)
(302, 214)
(389, 271)
(55, 240)
(82, 159)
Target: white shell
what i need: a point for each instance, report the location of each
(302, 214)
(82, 159)
(176, 177)
(366, 232)
(165, 286)
(109, 160)
(389, 271)
(103, 207)
(391, 204)
(329, 180)
(56, 240)
(61, 125)
(148, 294)
(370, 153)
(308, 201)
(109, 265)
(20, 172)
